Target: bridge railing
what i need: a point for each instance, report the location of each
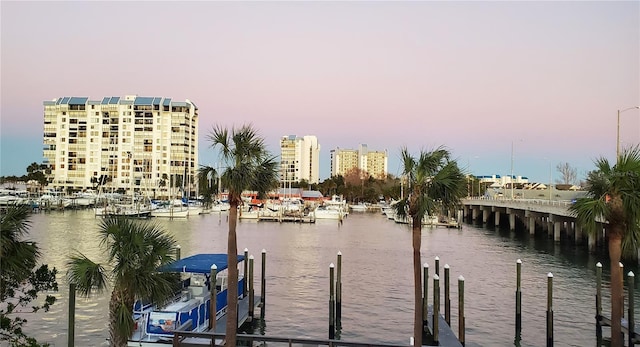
(507, 200)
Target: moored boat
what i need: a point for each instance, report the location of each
(191, 308)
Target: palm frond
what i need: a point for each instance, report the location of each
(88, 276)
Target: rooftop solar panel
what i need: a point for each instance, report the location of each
(78, 101)
(143, 100)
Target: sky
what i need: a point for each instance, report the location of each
(507, 86)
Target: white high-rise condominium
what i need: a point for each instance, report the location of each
(149, 144)
(299, 159)
(372, 163)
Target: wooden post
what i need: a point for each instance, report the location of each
(246, 264)
(72, 315)
(251, 291)
(437, 269)
(447, 298)
(332, 328)
(518, 297)
(339, 291)
(631, 283)
(461, 310)
(263, 284)
(621, 293)
(436, 308)
(425, 295)
(178, 252)
(598, 303)
(213, 295)
(549, 309)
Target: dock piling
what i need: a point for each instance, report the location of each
(251, 289)
(631, 283)
(436, 308)
(425, 296)
(178, 252)
(622, 292)
(518, 297)
(461, 320)
(263, 284)
(213, 310)
(246, 263)
(332, 328)
(447, 298)
(598, 303)
(549, 309)
(72, 315)
(437, 269)
(339, 291)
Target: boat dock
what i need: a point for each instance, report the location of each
(603, 321)
(446, 336)
(186, 338)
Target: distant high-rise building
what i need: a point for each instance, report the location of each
(299, 159)
(373, 163)
(149, 144)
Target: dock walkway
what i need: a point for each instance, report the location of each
(446, 336)
(606, 322)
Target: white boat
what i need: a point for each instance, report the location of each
(426, 220)
(360, 207)
(122, 210)
(191, 308)
(323, 212)
(219, 206)
(171, 212)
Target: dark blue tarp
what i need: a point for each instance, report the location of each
(199, 263)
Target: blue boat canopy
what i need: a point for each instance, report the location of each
(199, 263)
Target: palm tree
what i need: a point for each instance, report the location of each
(435, 184)
(134, 251)
(18, 256)
(613, 200)
(248, 166)
(21, 279)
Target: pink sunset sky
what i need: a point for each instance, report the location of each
(545, 79)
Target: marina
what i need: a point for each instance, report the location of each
(204, 290)
(376, 265)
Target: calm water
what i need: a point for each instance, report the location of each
(376, 273)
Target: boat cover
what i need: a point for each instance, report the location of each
(199, 263)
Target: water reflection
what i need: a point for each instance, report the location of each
(377, 290)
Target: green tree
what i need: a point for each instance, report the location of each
(434, 183)
(134, 249)
(20, 280)
(248, 166)
(613, 201)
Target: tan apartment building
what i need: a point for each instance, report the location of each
(299, 159)
(140, 143)
(373, 163)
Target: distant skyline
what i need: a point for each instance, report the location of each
(501, 84)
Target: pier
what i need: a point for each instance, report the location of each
(550, 217)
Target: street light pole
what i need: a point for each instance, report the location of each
(618, 132)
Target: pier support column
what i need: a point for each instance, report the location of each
(485, 215)
(532, 225)
(512, 221)
(474, 213)
(557, 227)
(592, 243)
(496, 218)
(578, 233)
